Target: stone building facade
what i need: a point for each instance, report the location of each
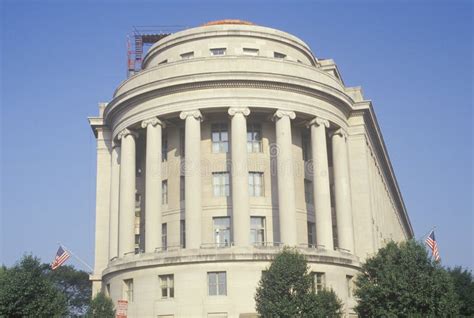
(233, 141)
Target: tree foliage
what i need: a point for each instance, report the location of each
(402, 281)
(285, 290)
(324, 304)
(464, 288)
(25, 291)
(74, 285)
(101, 307)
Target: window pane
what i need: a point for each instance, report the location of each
(222, 283)
(224, 134)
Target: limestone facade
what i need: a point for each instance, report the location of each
(233, 141)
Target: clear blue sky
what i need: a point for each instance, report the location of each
(414, 60)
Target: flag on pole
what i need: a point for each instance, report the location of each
(431, 242)
(61, 257)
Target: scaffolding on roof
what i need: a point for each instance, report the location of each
(141, 39)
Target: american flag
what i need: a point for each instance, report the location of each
(61, 257)
(431, 242)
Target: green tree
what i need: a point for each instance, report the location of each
(285, 290)
(324, 304)
(402, 281)
(464, 288)
(101, 307)
(74, 285)
(25, 291)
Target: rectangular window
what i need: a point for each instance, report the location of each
(257, 230)
(221, 231)
(164, 192)
(220, 138)
(182, 187)
(249, 51)
(163, 62)
(254, 138)
(311, 234)
(182, 138)
(187, 56)
(182, 233)
(349, 284)
(164, 236)
(217, 283)
(279, 55)
(256, 184)
(218, 51)
(308, 191)
(319, 282)
(220, 182)
(167, 286)
(306, 146)
(128, 290)
(107, 290)
(164, 147)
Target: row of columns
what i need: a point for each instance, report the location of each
(122, 203)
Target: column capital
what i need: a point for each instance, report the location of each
(115, 144)
(239, 110)
(152, 121)
(193, 113)
(339, 132)
(318, 121)
(124, 133)
(280, 113)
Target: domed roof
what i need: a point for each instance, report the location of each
(228, 21)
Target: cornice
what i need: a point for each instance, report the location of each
(147, 73)
(116, 106)
(251, 254)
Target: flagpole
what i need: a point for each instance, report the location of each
(77, 257)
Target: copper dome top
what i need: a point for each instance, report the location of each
(228, 21)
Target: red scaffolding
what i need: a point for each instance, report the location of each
(140, 40)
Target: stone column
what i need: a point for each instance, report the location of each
(345, 230)
(192, 175)
(114, 202)
(286, 183)
(153, 184)
(240, 176)
(321, 190)
(127, 192)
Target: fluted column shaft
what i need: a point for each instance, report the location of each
(153, 184)
(321, 190)
(286, 183)
(127, 193)
(192, 175)
(240, 193)
(345, 230)
(114, 202)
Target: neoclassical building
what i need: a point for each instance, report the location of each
(233, 141)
